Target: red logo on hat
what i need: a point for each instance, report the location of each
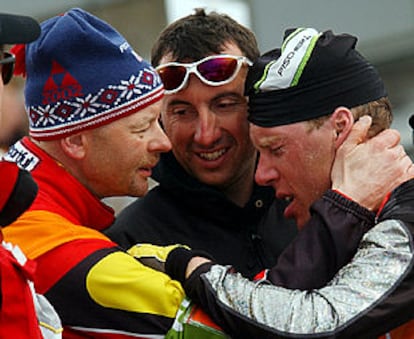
(60, 86)
(148, 78)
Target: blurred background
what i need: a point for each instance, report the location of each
(385, 30)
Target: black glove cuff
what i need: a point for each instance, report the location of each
(193, 283)
(178, 259)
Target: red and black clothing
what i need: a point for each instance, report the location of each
(23, 313)
(97, 289)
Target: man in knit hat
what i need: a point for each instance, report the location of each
(23, 313)
(304, 101)
(93, 107)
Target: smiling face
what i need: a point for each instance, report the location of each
(296, 162)
(208, 129)
(120, 155)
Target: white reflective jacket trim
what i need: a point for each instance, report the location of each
(49, 321)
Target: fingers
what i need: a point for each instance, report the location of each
(367, 171)
(388, 138)
(360, 129)
(408, 169)
(358, 133)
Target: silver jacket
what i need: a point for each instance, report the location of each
(370, 295)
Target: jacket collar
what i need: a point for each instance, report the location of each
(400, 203)
(59, 191)
(174, 179)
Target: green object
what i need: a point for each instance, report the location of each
(191, 322)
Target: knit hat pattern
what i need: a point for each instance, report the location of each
(81, 74)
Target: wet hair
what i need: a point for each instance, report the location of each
(200, 34)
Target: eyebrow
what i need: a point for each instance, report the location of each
(178, 102)
(265, 142)
(141, 121)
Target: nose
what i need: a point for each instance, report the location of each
(160, 142)
(265, 172)
(207, 131)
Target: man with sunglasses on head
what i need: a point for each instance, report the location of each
(23, 313)
(301, 115)
(207, 197)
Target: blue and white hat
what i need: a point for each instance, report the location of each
(81, 74)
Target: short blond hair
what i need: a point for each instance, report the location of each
(380, 110)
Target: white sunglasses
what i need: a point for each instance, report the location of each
(214, 70)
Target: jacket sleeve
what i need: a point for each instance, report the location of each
(369, 296)
(110, 292)
(326, 243)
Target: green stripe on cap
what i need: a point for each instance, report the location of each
(290, 36)
(286, 71)
(257, 85)
(305, 59)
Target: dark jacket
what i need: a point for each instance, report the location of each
(183, 210)
(369, 296)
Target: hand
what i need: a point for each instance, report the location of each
(194, 263)
(153, 256)
(367, 170)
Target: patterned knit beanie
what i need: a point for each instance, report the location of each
(81, 74)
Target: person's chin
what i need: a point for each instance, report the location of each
(141, 188)
(216, 178)
(300, 216)
(302, 219)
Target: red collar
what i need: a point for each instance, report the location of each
(59, 191)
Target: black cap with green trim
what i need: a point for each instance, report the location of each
(308, 77)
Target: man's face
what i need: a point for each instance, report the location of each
(121, 155)
(296, 162)
(208, 128)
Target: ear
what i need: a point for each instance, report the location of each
(342, 121)
(74, 146)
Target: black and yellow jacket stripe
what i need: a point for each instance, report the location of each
(97, 289)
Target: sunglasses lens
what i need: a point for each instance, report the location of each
(172, 76)
(218, 69)
(7, 72)
(213, 71)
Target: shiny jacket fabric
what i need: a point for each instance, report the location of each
(369, 296)
(183, 210)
